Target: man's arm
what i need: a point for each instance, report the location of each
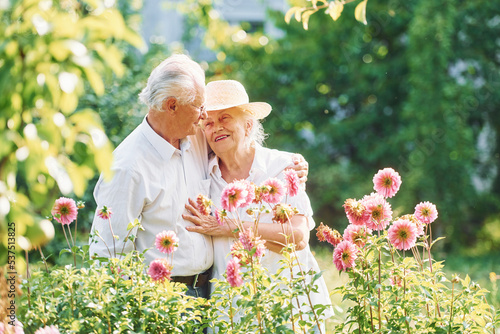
(122, 196)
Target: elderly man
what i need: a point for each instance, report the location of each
(161, 164)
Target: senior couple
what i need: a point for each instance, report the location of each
(165, 162)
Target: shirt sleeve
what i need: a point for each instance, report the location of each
(124, 196)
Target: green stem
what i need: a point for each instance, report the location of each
(451, 306)
(28, 279)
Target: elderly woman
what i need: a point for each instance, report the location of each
(235, 134)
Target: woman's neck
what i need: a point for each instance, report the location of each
(236, 165)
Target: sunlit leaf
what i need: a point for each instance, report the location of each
(360, 12)
(305, 18)
(292, 11)
(335, 9)
(95, 80)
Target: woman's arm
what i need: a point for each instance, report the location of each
(272, 233)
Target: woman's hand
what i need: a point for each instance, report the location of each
(301, 166)
(204, 224)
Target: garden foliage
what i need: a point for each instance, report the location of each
(388, 290)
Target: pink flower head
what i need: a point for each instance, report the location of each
(167, 242)
(283, 212)
(418, 224)
(325, 233)
(356, 212)
(396, 279)
(249, 242)
(220, 215)
(48, 330)
(233, 273)
(235, 195)
(357, 234)
(274, 190)
(379, 210)
(344, 255)
(387, 182)
(426, 212)
(292, 182)
(402, 234)
(105, 212)
(160, 270)
(203, 204)
(16, 329)
(64, 210)
(250, 191)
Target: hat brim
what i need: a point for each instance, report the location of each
(259, 110)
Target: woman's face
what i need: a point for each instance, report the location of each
(226, 130)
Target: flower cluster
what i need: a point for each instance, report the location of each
(374, 213)
(203, 204)
(160, 270)
(241, 194)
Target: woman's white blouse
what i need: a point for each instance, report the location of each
(267, 163)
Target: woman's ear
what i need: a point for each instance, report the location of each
(249, 127)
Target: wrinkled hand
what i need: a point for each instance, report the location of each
(301, 166)
(203, 224)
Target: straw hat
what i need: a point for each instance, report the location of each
(224, 94)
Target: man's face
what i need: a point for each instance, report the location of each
(189, 115)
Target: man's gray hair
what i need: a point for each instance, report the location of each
(177, 76)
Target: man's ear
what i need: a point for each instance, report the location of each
(169, 104)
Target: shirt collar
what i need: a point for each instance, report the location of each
(163, 147)
(259, 165)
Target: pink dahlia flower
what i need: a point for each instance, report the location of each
(274, 190)
(379, 210)
(167, 242)
(283, 212)
(325, 233)
(357, 234)
(160, 270)
(356, 212)
(64, 210)
(234, 195)
(402, 234)
(344, 255)
(249, 241)
(292, 182)
(426, 212)
(418, 224)
(48, 330)
(105, 212)
(250, 187)
(387, 182)
(203, 204)
(233, 273)
(219, 215)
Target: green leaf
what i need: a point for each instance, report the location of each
(360, 12)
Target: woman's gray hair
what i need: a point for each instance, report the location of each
(257, 134)
(178, 76)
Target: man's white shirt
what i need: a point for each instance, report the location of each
(152, 181)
